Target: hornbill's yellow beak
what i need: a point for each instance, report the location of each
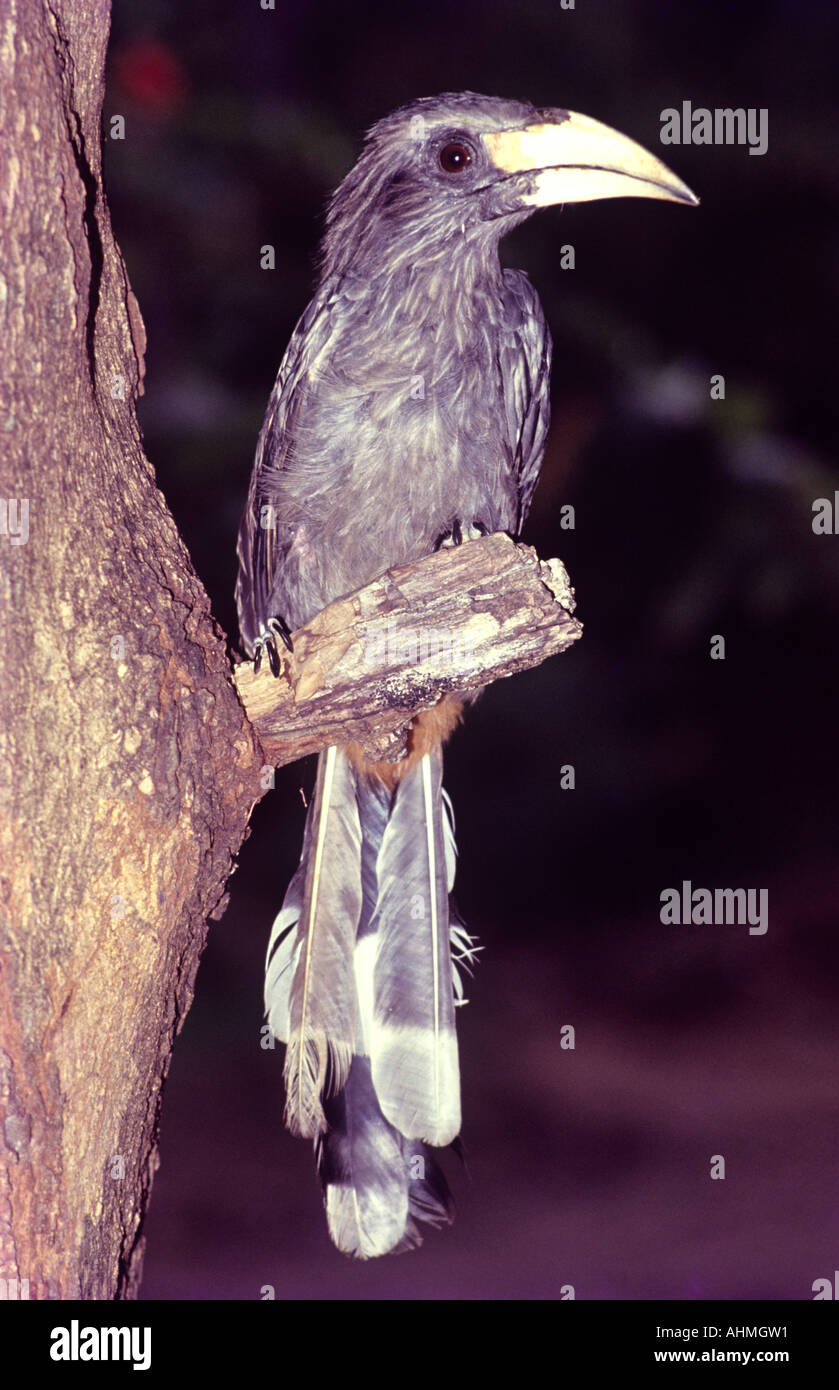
(579, 159)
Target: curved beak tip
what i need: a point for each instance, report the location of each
(578, 159)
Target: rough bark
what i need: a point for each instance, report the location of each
(450, 623)
(128, 767)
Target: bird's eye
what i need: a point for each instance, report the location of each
(455, 157)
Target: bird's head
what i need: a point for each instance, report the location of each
(463, 169)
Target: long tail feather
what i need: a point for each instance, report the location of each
(322, 1011)
(362, 981)
(361, 1167)
(429, 1198)
(378, 1186)
(284, 943)
(413, 1044)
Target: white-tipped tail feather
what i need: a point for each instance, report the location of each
(322, 1007)
(413, 1044)
(362, 983)
(377, 1184)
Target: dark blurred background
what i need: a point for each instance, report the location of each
(591, 1166)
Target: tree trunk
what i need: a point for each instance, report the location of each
(127, 765)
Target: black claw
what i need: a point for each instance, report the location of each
(455, 535)
(274, 627)
(280, 628)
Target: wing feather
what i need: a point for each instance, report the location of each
(525, 361)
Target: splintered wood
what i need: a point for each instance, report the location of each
(452, 622)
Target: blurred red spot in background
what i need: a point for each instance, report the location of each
(149, 73)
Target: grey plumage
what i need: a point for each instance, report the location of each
(419, 372)
(413, 1043)
(412, 403)
(378, 1185)
(403, 1085)
(322, 1002)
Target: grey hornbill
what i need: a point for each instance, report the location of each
(410, 409)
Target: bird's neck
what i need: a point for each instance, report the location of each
(449, 279)
(427, 240)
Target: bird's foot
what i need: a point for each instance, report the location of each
(266, 644)
(460, 533)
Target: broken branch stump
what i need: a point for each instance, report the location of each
(451, 622)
